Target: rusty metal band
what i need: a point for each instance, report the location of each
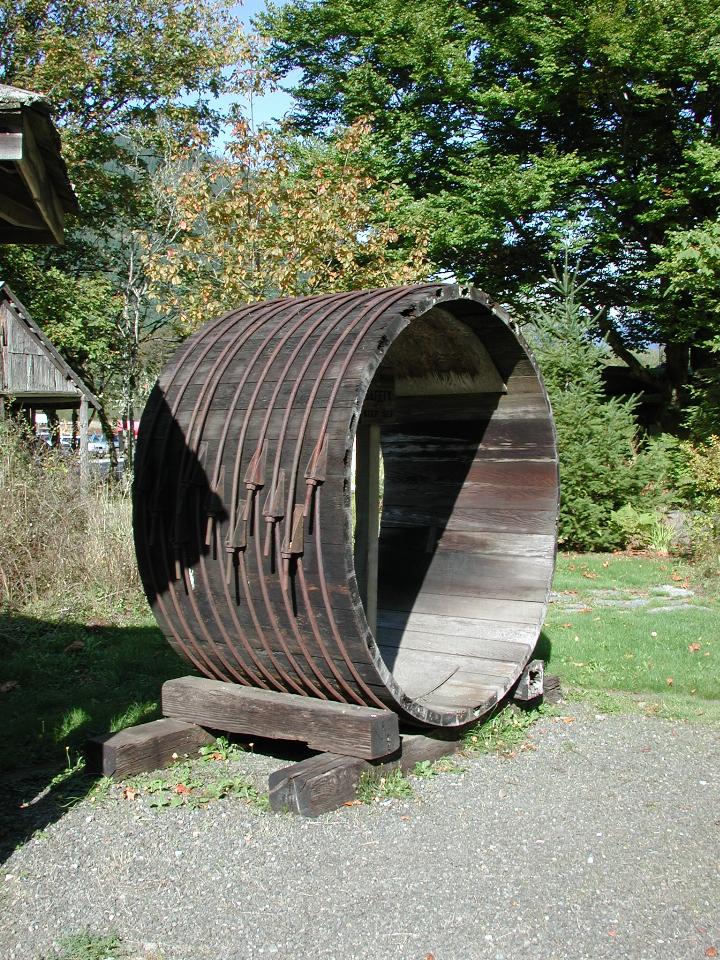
(307, 333)
(348, 303)
(204, 664)
(221, 364)
(381, 303)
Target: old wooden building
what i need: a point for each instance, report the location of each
(34, 375)
(35, 191)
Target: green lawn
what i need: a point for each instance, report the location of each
(609, 635)
(64, 680)
(617, 625)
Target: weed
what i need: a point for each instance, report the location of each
(425, 769)
(86, 946)
(392, 786)
(185, 786)
(61, 545)
(505, 732)
(222, 749)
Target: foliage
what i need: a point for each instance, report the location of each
(279, 217)
(107, 73)
(87, 946)
(643, 528)
(61, 545)
(505, 732)
(121, 87)
(526, 128)
(702, 489)
(596, 436)
(392, 786)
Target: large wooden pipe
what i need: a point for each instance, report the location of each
(353, 497)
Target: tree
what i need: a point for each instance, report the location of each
(279, 216)
(527, 127)
(124, 82)
(600, 471)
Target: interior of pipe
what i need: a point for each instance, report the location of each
(455, 568)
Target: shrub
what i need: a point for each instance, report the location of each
(701, 484)
(62, 548)
(597, 437)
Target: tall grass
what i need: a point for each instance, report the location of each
(62, 548)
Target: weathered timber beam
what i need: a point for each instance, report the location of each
(11, 145)
(19, 214)
(323, 783)
(342, 728)
(148, 746)
(32, 170)
(530, 684)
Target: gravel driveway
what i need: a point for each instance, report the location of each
(601, 842)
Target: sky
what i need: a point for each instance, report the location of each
(275, 105)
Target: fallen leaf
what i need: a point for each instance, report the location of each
(429, 956)
(181, 788)
(9, 685)
(711, 952)
(606, 564)
(566, 625)
(129, 793)
(669, 681)
(568, 719)
(612, 933)
(693, 647)
(352, 803)
(589, 575)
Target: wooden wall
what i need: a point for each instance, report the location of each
(26, 366)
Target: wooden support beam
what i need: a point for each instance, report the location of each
(84, 456)
(11, 145)
(530, 684)
(367, 516)
(36, 179)
(19, 214)
(552, 689)
(148, 746)
(323, 783)
(342, 728)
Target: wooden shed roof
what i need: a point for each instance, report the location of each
(35, 191)
(32, 369)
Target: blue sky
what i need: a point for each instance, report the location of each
(274, 105)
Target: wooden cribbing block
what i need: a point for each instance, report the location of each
(324, 783)
(341, 728)
(530, 685)
(147, 746)
(552, 692)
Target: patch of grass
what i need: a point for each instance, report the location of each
(666, 708)
(673, 654)
(615, 571)
(505, 732)
(392, 786)
(222, 749)
(424, 769)
(74, 679)
(191, 784)
(86, 946)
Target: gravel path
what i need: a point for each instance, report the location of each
(601, 842)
